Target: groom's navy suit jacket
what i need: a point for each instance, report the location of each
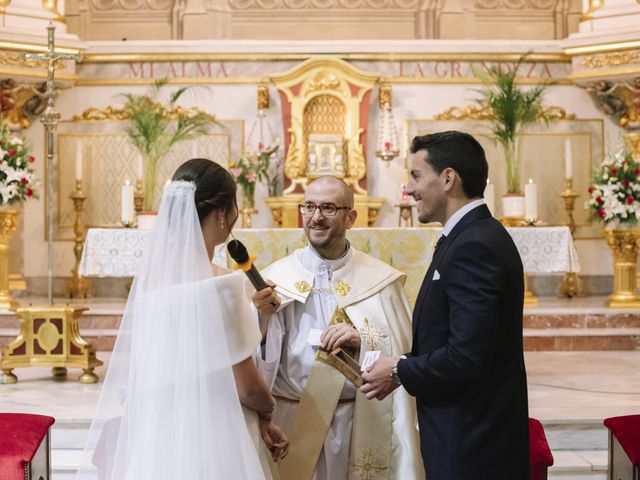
(466, 366)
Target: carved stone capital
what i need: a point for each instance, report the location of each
(618, 99)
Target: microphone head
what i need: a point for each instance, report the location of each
(238, 251)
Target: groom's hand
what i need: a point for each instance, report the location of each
(378, 378)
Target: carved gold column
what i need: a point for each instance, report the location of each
(78, 286)
(624, 247)
(8, 225)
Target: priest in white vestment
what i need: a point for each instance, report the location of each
(330, 294)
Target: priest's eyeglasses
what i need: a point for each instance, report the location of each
(326, 209)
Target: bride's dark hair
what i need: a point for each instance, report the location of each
(215, 187)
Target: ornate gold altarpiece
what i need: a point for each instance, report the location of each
(325, 104)
(109, 159)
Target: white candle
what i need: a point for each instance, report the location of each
(531, 201)
(139, 168)
(78, 160)
(490, 196)
(126, 203)
(568, 160)
(194, 149)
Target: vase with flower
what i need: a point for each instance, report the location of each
(17, 179)
(614, 199)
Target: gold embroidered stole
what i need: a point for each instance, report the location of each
(314, 415)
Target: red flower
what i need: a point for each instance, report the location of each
(599, 200)
(637, 171)
(630, 199)
(32, 158)
(613, 171)
(625, 182)
(590, 189)
(11, 152)
(601, 212)
(24, 181)
(29, 192)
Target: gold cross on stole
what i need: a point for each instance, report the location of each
(368, 467)
(371, 335)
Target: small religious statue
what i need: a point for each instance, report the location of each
(325, 156)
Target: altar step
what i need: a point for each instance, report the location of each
(555, 325)
(579, 449)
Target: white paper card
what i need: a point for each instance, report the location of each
(314, 337)
(369, 359)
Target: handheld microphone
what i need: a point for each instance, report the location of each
(239, 254)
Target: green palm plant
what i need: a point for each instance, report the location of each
(156, 127)
(511, 110)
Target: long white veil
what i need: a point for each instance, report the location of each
(169, 408)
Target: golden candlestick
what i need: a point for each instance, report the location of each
(78, 286)
(8, 225)
(138, 197)
(571, 284)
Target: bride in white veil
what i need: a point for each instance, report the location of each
(169, 408)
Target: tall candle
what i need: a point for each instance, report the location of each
(78, 160)
(490, 196)
(139, 168)
(531, 201)
(126, 203)
(568, 160)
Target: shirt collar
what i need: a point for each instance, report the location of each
(311, 260)
(457, 216)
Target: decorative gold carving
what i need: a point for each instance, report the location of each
(632, 141)
(610, 59)
(16, 59)
(117, 113)
(303, 286)
(341, 288)
(324, 80)
(51, 6)
(384, 95)
(475, 112)
(624, 247)
(49, 336)
(593, 6)
(3, 6)
(369, 465)
(515, 4)
(371, 335)
(324, 4)
(8, 225)
(20, 103)
(263, 97)
(620, 100)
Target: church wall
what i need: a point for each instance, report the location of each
(229, 100)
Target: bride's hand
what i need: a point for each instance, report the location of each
(275, 440)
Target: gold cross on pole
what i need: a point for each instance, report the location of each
(50, 119)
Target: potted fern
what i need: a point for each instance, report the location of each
(155, 127)
(511, 110)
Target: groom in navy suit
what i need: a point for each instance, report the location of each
(466, 365)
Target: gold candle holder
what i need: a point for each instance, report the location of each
(571, 284)
(138, 197)
(78, 286)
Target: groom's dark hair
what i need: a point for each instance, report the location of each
(215, 187)
(457, 150)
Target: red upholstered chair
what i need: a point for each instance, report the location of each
(624, 447)
(24, 446)
(540, 458)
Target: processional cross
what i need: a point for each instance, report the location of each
(50, 119)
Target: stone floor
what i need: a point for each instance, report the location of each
(570, 392)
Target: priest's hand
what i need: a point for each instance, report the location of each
(338, 335)
(379, 379)
(267, 301)
(275, 440)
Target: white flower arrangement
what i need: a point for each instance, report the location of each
(16, 176)
(615, 192)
